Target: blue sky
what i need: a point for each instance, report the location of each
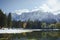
(19, 6)
(12, 5)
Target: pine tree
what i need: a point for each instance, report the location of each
(9, 20)
(3, 19)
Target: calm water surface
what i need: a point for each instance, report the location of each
(35, 35)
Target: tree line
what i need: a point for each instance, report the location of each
(7, 22)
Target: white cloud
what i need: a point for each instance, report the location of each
(45, 8)
(35, 9)
(54, 4)
(19, 12)
(51, 6)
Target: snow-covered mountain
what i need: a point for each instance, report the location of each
(15, 16)
(37, 15)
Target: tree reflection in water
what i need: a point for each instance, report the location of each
(37, 35)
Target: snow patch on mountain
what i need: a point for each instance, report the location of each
(37, 15)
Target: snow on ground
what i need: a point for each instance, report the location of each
(21, 30)
(6, 30)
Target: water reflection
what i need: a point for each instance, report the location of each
(37, 35)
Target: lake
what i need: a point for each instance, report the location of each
(33, 35)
